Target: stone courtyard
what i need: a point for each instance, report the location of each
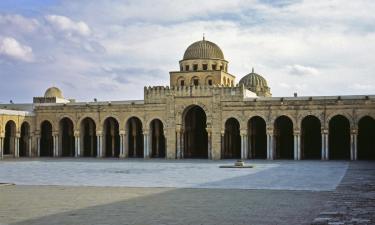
(112, 191)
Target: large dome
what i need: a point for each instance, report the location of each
(53, 92)
(203, 50)
(256, 83)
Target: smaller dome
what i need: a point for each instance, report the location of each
(53, 92)
(255, 83)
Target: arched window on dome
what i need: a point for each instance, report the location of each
(213, 66)
(195, 81)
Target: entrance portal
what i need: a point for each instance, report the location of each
(24, 140)
(46, 139)
(134, 129)
(339, 138)
(111, 138)
(284, 138)
(10, 137)
(195, 134)
(67, 138)
(257, 137)
(88, 138)
(366, 138)
(311, 139)
(157, 139)
(232, 140)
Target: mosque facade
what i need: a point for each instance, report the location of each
(203, 113)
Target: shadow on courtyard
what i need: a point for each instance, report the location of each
(198, 206)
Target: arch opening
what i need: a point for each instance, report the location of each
(195, 134)
(311, 139)
(339, 138)
(111, 137)
(24, 140)
(88, 138)
(366, 138)
(67, 145)
(283, 133)
(257, 137)
(46, 139)
(10, 138)
(157, 139)
(232, 140)
(135, 137)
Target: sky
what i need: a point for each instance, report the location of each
(111, 49)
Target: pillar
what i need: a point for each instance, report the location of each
(324, 154)
(297, 145)
(353, 144)
(99, 147)
(270, 146)
(126, 145)
(38, 145)
(209, 143)
(244, 153)
(122, 135)
(17, 146)
(145, 144)
(1, 147)
(77, 148)
(55, 145)
(178, 147)
(29, 146)
(222, 138)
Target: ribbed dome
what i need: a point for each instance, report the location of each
(203, 50)
(53, 92)
(253, 80)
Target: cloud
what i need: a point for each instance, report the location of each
(68, 26)
(15, 21)
(300, 70)
(11, 48)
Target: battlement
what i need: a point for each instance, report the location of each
(158, 94)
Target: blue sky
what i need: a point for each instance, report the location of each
(111, 49)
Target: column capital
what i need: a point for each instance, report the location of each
(99, 133)
(55, 133)
(296, 132)
(209, 130)
(243, 132)
(76, 133)
(324, 130)
(122, 132)
(354, 131)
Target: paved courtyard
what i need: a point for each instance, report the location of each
(98, 192)
(267, 175)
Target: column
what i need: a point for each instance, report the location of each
(326, 145)
(178, 147)
(222, 143)
(270, 146)
(297, 147)
(55, 145)
(17, 147)
(209, 143)
(77, 148)
(323, 154)
(126, 145)
(1, 147)
(29, 140)
(38, 145)
(99, 149)
(353, 145)
(122, 144)
(145, 145)
(244, 144)
(249, 150)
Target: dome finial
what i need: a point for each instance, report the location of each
(203, 37)
(252, 70)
